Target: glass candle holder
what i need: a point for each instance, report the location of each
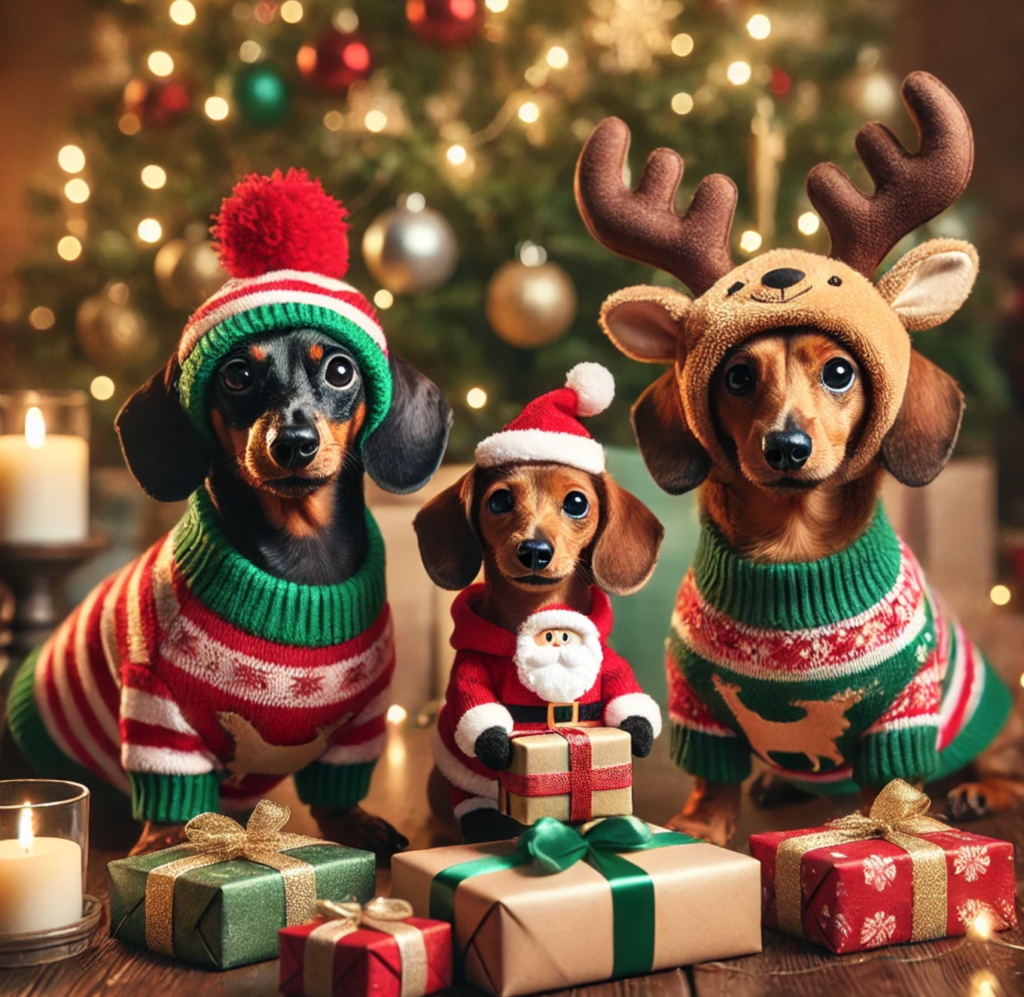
(44, 467)
(44, 849)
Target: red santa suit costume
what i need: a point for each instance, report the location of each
(504, 679)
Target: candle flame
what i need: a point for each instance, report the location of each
(25, 833)
(35, 428)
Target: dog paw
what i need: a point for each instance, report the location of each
(358, 829)
(968, 801)
(713, 830)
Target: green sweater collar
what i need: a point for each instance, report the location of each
(269, 607)
(802, 595)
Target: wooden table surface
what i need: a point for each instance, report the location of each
(786, 968)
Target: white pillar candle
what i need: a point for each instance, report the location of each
(40, 881)
(44, 486)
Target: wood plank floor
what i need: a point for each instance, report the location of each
(787, 968)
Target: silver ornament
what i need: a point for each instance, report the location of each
(187, 272)
(530, 306)
(410, 252)
(112, 333)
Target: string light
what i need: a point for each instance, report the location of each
(249, 50)
(981, 930)
(396, 714)
(346, 20)
(150, 230)
(384, 299)
(216, 108)
(415, 202)
(457, 155)
(750, 241)
(334, 121)
(738, 73)
(496, 6)
(291, 11)
(375, 121)
(69, 248)
(129, 124)
(76, 191)
(682, 45)
(160, 63)
(476, 398)
(153, 176)
(682, 103)
(557, 57)
(532, 255)
(182, 12)
(1000, 595)
(1022, 681)
(759, 27)
(41, 318)
(71, 159)
(102, 388)
(808, 223)
(529, 112)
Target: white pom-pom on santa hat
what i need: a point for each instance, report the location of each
(594, 386)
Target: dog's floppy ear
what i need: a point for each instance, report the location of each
(449, 547)
(644, 322)
(628, 540)
(672, 453)
(922, 438)
(404, 451)
(166, 454)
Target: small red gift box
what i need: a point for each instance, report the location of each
(851, 895)
(367, 961)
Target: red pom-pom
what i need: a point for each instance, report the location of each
(281, 223)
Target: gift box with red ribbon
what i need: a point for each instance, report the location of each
(379, 950)
(893, 876)
(569, 773)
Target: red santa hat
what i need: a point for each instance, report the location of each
(548, 429)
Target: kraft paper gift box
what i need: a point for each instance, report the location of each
(894, 876)
(379, 950)
(219, 901)
(560, 909)
(570, 773)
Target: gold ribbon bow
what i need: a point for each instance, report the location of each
(215, 838)
(899, 815)
(380, 914)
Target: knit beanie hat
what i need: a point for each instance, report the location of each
(284, 242)
(548, 429)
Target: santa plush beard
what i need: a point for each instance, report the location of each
(558, 671)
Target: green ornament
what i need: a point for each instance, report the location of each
(261, 95)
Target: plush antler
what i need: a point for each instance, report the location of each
(642, 224)
(910, 188)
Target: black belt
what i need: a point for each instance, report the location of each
(563, 714)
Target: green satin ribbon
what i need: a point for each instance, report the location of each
(552, 847)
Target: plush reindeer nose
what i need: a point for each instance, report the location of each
(295, 446)
(786, 451)
(535, 554)
(782, 278)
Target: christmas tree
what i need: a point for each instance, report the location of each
(451, 130)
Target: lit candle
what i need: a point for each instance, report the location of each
(44, 485)
(40, 880)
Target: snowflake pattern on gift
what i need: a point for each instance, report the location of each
(1009, 911)
(971, 862)
(879, 871)
(877, 930)
(842, 925)
(969, 912)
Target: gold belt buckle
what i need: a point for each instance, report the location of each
(574, 722)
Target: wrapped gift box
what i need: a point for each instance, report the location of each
(366, 962)
(857, 895)
(521, 926)
(570, 774)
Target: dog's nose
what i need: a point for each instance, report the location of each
(295, 446)
(535, 554)
(786, 451)
(782, 278)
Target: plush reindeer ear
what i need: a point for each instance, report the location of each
(928, 285)
(628, 541)
(673, 454)
(921, 440)
(404, 451)
(166, 454)
(449, 547)
(644, 322)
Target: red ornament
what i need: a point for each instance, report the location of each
(781, 82)
(445, 23)
(335, 62)
(157, 102)
(281, 222)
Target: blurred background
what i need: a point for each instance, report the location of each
(451, 130)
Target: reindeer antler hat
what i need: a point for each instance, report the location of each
(787, 288)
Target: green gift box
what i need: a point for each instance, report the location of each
(226, 909)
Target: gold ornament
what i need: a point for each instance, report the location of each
(530, 306)
(410, 252)
(111, 333)
(187, 272)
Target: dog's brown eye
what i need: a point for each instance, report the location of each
(340, 372)
(237, 375)
(576, 505)
(739, 379)
(837, 375)
(501, 502)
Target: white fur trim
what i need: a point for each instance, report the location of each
(633, 704)
(514, 446)
(474, 803)
(474, 722)
(459, 774)
(594, 386)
